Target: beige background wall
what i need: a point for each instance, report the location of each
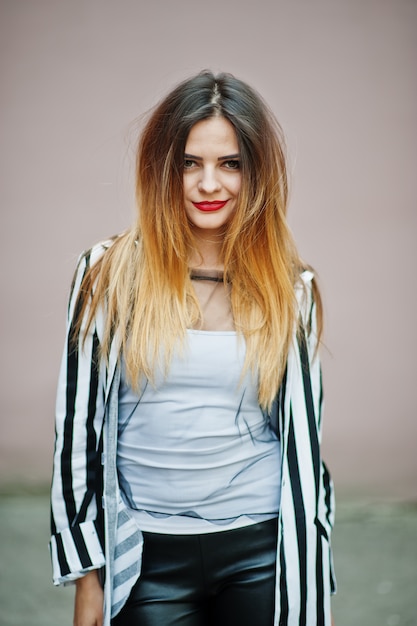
(340, 76)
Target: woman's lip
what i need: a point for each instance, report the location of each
(210, 206)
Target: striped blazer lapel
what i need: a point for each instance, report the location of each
(124, 540)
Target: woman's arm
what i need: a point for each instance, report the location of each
(77, 537)
(89, 600)
(326, 500)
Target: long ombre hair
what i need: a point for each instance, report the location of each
(143, 279)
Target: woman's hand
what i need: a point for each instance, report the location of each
(89, 597)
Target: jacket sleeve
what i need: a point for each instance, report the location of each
(326, 499)
(76, 513)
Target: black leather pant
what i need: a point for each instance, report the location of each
(216, 579)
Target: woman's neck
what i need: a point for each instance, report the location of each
(207, 252)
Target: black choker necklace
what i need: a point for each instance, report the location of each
(214, 275)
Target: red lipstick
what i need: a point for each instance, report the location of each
(210, 206)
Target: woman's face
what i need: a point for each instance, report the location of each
(212, 176)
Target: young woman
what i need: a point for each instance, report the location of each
(188, 484)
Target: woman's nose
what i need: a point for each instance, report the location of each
(209, 181)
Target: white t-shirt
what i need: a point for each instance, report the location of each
(195, 453)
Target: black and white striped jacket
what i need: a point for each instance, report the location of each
(91, 527)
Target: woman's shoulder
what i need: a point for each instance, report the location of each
(89, 264)
(91, 256)
(306, 277)
(304, 283)
(307, 294)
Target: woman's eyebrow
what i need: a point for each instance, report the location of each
(222, 158)
(229, 156)
(192, 157)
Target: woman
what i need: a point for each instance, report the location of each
(187, 472)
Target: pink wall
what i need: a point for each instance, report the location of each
(340, 77)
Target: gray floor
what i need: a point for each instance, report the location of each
(375, 550)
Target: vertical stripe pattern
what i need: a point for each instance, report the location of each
(91, 527)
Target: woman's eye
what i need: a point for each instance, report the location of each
(232, 165)
(188, 163)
